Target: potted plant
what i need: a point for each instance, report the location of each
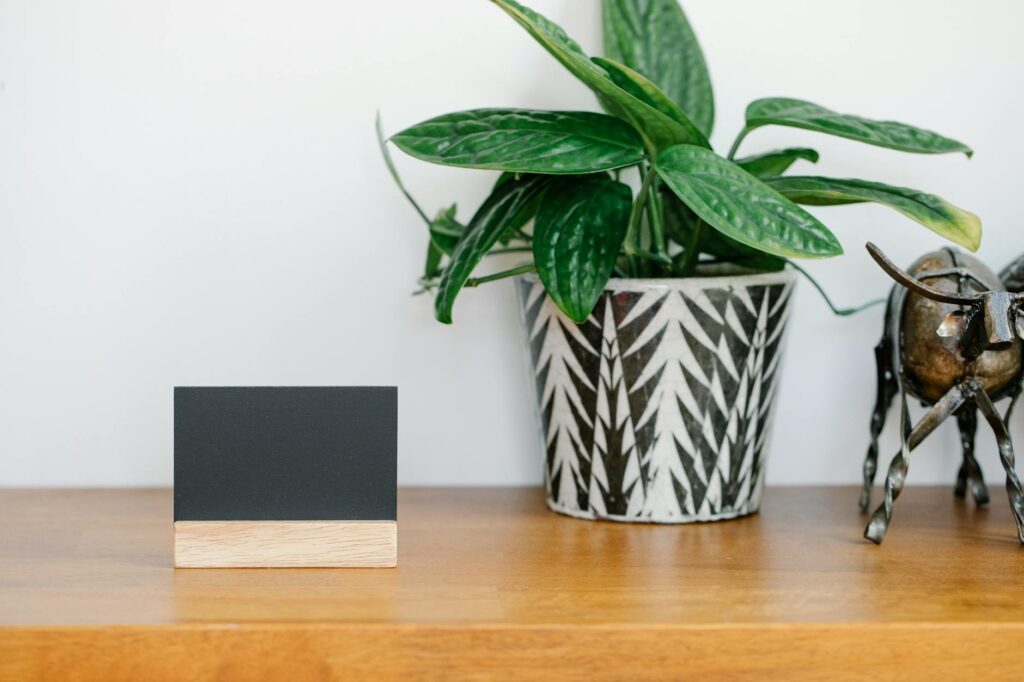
(654, 310)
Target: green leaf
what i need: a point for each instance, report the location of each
(524, 141)
(506, 205)
(742, 207)
(680, 220)
(647, 92)
(654, 38)
(514, 231)
(658, 130)
(432, 267)
(938, 215)
(680, 223)
(797, 113)
(579, 229)
(775, 163)
(445, 231)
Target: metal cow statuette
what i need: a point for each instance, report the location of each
(951, 339)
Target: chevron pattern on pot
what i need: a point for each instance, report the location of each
(658, 407)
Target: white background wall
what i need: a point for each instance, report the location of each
(190, 193)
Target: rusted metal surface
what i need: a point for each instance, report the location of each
(952, 340)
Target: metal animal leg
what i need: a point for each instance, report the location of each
(883, 400)
(1014, 397)
(1013, 486)
(894, 480)
(970, 470)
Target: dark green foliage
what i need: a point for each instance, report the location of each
(576, 239)
(694, 207)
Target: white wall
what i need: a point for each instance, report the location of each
(190, 193)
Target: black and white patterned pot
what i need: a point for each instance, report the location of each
(658, 407)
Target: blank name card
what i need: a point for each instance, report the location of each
(285, 477)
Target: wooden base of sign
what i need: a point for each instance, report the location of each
(285, 544)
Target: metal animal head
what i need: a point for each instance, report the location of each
(990, 319)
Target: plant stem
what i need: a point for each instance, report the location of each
(692, 250)
(739, 140)
(842, 312)
(656, 217)
(632, 243)
(661, 258)
(521, 270)
(394, 171)
(510, 249)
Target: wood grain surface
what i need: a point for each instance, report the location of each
(493, 586)
(285, 544)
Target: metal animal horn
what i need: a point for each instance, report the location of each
(916, 285)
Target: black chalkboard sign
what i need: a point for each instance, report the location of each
(259, 462)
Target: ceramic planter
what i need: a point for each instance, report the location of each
(658, 407)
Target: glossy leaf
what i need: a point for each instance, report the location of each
(938, 215)
(514, 230)
(577, 234)
(772, 164)
(524, 141)
(654, 38)
(658, 130)
(506, 205)
(742, 207)
(797, 113)
(647, 92)
(681, 221)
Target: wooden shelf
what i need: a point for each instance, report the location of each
(491, 585)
